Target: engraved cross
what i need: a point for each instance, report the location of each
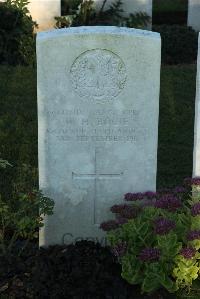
(96, 176)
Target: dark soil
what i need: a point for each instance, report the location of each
(81, 271)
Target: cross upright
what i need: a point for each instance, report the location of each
(96, 177)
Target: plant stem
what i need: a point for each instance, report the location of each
(13, 239)
(138, 233)
(2, 245)
(102, 7)
(23, 247)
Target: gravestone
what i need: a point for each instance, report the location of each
(194, 14)
(98, 106)
(44, 12)
(196, 152)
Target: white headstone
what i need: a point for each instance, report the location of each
(130, 6)
(196, 153)
(98, 106)
(44, 12)
(194, 14)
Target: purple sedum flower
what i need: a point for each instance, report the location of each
(192, 181)
(163, 226)
(168, 202)
(195, 181)
(117, 208)
(120, 249)
(140, 196)
(195, 210)
(113, 224)
(109, 225)
(125, 211)
(150, 194)
(164, 191)
(187, 182)
(188, 252)
(149, 254)
(179, 189)
(193, 235)
(134, 196)
(120, 220)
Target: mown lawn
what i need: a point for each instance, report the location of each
(18, 121)
(176, 126)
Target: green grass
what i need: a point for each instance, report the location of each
(176, 126)
(18, 126)
(18, 120)
(18, 115)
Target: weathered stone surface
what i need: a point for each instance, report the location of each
(44, 12)
(196, 153)
(194, 14)
(98, 106)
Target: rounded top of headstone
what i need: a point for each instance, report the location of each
(84, 30)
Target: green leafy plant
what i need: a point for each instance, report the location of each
(4, 163)
(156, 237)
(17, 39)
(83, 13)
(20, 4)
(21, 218)
(137, 20)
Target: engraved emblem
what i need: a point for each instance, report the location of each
(98, 74)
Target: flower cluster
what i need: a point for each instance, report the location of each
(125, 211)
(192, 181)
(149, 254)
(109, 225)
(140, 196)
(117, 208)
(120, 249)
(187, 182)
(163, 226)
(188, 252)
(150, 224)
(179, 189)
(193, 235)
(169, 202)
(195, 181)
(195, 210)
(164, 191)
(150, 194)
(113, 224)
(133, 196)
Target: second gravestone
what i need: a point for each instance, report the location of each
(98, 106)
